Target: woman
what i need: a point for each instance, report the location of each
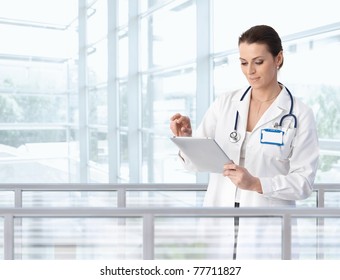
(270, 135)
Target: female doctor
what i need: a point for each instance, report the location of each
(268, 133)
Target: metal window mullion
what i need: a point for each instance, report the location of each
(203, 64)
(112, 88)
(204, 92)
(69, 122)
(150, 103)
(82, 84)
(134, 143)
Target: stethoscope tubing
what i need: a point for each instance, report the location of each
(234, 135)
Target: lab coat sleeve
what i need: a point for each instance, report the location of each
(303, 163)
(207, 127)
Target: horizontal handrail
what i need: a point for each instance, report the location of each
(102, 187)
(128, 186)
(149, 214)
(121, 189)
(162, 211)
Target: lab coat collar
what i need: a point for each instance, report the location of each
(278, 107)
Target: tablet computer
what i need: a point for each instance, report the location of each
(204, 153)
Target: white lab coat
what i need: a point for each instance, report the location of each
(286, 172)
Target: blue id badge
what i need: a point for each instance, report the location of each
(272, 136)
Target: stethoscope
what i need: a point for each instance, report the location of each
(235, 136)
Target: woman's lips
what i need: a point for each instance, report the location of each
(253, 79)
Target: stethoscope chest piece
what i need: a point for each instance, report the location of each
(234, 136)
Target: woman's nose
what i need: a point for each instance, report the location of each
(251, 69)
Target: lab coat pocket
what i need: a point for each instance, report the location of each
(281, 153)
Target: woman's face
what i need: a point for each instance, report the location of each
(258, 65)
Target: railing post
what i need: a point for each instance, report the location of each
(121, 197)
(287, 237)
(320, 200)
(148, 236)
(18, 198)
(8, 237)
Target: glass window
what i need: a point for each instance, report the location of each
(168, 36)
(97, 21)
(37, 42)
(98, 173)
(38, 100)
(33, 76)
(162, 96)
(98, 145)
(53, 12)
(286, 20)
(69, 198)
(311, 77)
(97, 106)
(227, 74)
(39, 90)
(123, 8)
(75, 238)
(6, 198)
(73, 159)
(150, 4)
(332, 199)
(97, 63)
(315, 238)
(213, 238)
(164, 198)
(123, 59)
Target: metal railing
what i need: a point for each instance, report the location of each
(121, 189)
(149, 214)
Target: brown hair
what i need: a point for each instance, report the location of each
(263, 34)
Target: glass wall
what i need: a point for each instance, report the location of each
(87, 87)
(38, 92)
(75, 238)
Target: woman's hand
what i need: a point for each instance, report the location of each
(242, 178)
(180, 125)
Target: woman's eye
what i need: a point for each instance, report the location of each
(243, 63)
(258, 62)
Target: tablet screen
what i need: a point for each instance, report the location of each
(205, 153)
